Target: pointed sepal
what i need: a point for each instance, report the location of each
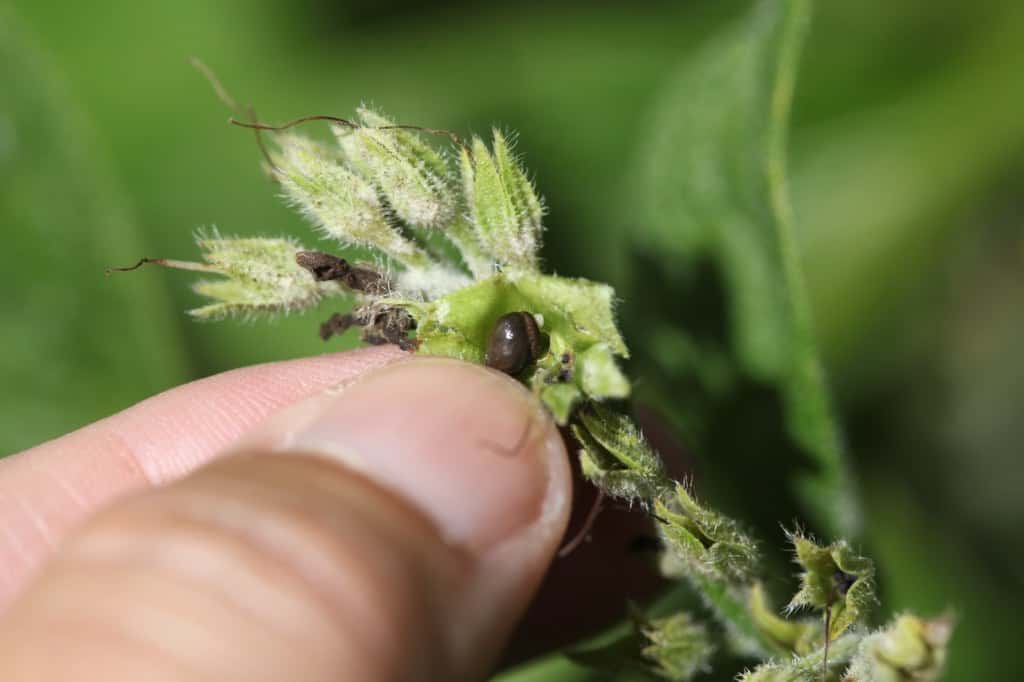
(413, 176)
(339, 201)
(503, 207)
(261, 277)
(615, 457)
(836, 578)
(574, 315)
(708, 542)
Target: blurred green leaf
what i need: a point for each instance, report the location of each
(879, 194)
(553, 668)
(713, 193)
(64, 221)
(910, 649)
(931, 570)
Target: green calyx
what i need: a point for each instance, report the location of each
(834, 579)
(575, 316)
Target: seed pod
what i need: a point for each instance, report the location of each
(528, 206)
(260, 276)
(503, 206)
(408, 171)
(340, 201)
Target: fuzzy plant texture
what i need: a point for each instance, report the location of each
(456, 237)
(454, 230)
(456, 248)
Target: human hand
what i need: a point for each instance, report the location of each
(375, 532)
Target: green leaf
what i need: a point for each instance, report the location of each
(615, 657)
(67, 329)
(714, 192)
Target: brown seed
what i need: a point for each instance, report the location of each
(515, 342)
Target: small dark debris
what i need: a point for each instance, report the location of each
(325, 268)
(390, 325)
(380, 326)
(844, 581)
(337, 324)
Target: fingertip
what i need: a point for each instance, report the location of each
(372, 532)
(468, 445)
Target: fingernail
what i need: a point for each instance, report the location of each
(467, 446)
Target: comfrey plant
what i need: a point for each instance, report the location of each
(455, 272)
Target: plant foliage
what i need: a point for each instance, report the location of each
(455, 236)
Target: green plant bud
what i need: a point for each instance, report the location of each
(708, 542)
(679, 647)
(529, 209)
(261, 277)
(413, 176)
(502, 222)
(339, 201)
(614, 455)
(911, 649)
(835, 578)
(674, 648)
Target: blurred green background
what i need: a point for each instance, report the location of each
(906, 159)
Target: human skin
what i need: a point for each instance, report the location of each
(350, 516)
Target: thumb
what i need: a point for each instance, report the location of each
(391, 530)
